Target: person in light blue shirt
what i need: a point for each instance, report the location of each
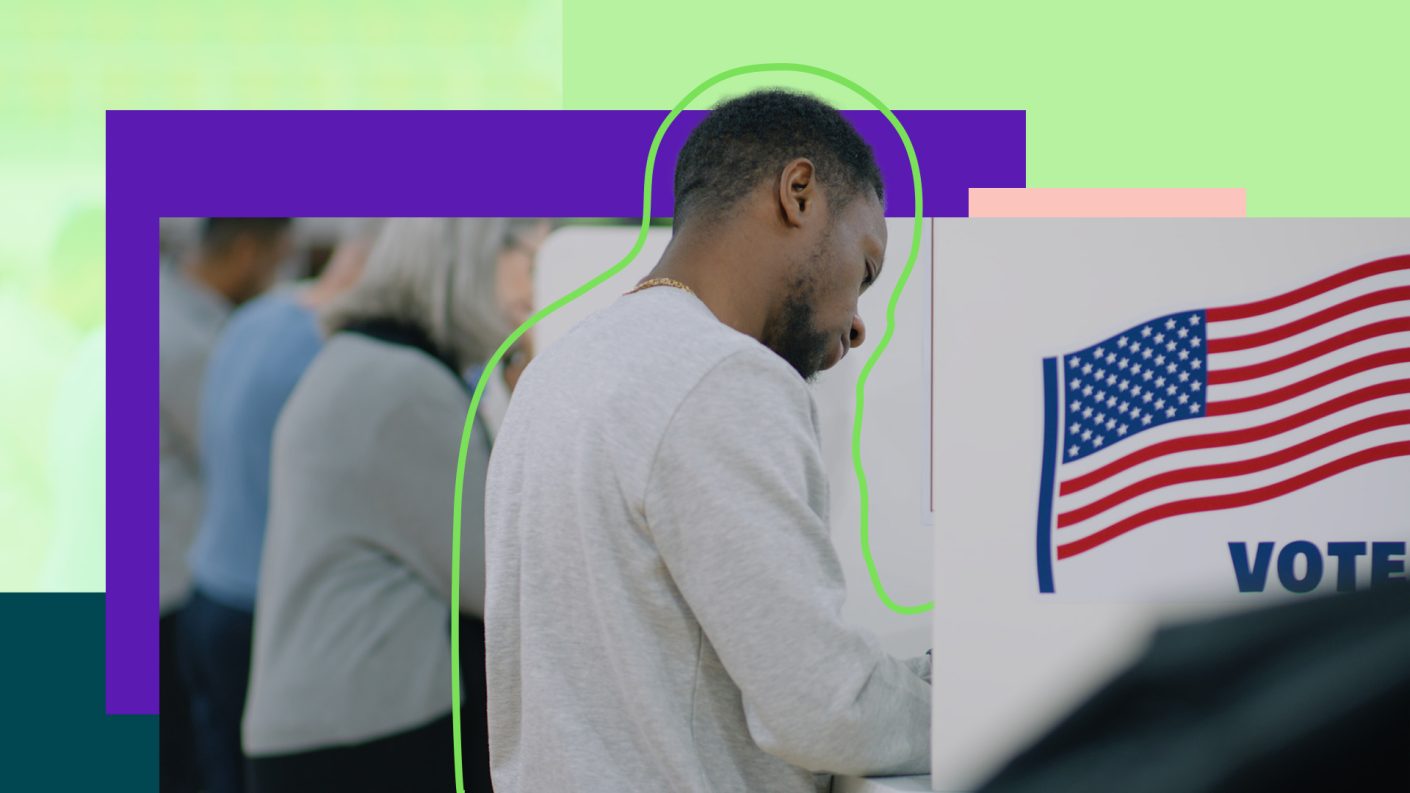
(258, 359)
(254, 368)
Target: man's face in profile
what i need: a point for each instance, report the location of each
(817, 321)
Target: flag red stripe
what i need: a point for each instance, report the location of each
(1312, 290)
(1201, 473)
(1355, 304)
(1363, 364)
(1233, 500)
(1253, 371)
(1234, 437)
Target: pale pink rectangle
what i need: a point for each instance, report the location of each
(1083, 202)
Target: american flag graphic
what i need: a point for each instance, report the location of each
(1221, 408)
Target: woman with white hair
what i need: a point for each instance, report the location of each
(350, 678)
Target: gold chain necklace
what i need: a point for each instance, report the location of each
(647, 284)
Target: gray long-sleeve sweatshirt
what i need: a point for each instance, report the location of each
(663, 599)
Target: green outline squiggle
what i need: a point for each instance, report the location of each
(881, 346)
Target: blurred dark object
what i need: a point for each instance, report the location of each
(1313, 695)
(315, 258)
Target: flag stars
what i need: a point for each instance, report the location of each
(1135, 380)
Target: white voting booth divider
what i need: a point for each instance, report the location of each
(1073, 515)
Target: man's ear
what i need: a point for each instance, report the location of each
(797, 192)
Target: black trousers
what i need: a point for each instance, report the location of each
(175, 735)
(415, 760)
(215, 651)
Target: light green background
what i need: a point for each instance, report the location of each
(1302, 105)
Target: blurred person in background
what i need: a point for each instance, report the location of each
(236, 260)
(349, 686)
(70, 407)
(264, 349)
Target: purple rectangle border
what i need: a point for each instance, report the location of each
(537, 163)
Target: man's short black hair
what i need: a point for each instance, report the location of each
(217, 234)
(751, 137)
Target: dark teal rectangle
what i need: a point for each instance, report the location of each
(55, 733)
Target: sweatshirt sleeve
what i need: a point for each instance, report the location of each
(735, 501)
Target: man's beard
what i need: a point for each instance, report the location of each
(790, 333)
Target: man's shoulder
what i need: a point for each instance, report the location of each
(279, 305)
(639, 363)
(648, 346)
(274, 325)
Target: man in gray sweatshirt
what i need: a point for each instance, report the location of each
(663, 601)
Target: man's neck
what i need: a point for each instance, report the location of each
(211, 275)
(722, 274)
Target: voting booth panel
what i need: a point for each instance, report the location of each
(1144, 420)
(895, 441)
